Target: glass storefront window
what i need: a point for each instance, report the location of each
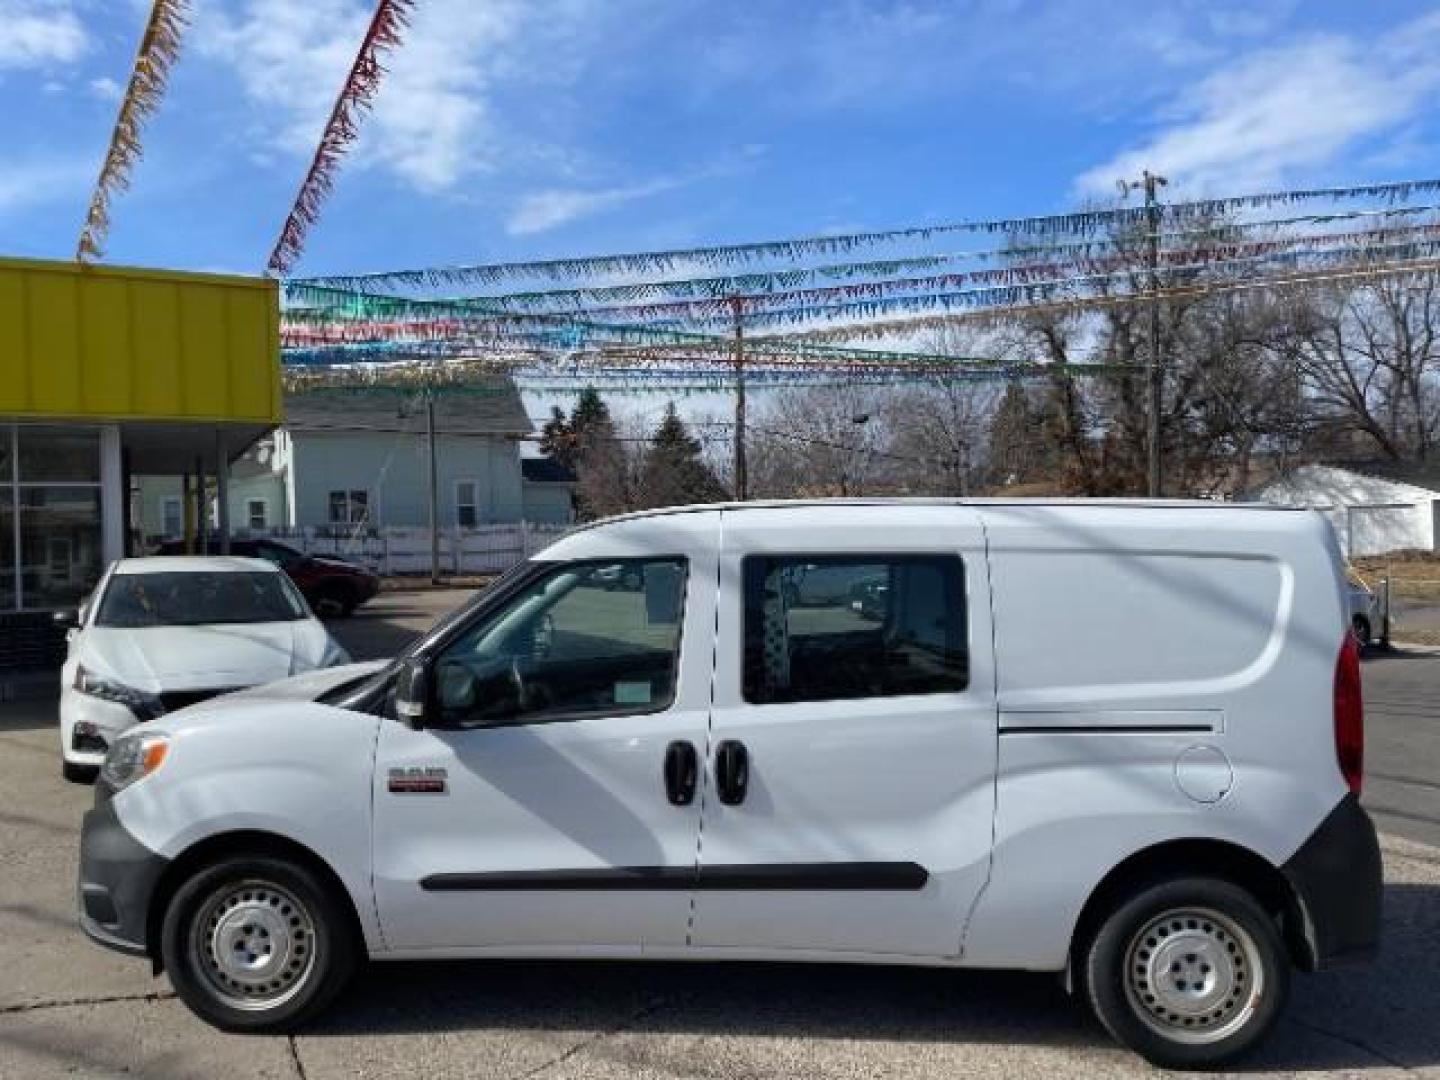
(7, 545)
(63, 454)
(60, 554)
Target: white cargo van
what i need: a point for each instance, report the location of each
(1116, 741)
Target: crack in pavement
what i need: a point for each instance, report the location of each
(295, 1057)
(1350, 1040)
(71, 1003)
(629, 1022)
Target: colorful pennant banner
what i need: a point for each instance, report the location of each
(159, 47)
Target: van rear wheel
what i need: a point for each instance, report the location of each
(1189, 973)
(257, 944)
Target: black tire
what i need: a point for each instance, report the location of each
(310, 958)
(1227, 986)
(334, 602)
(79, 774)
(1360, 627)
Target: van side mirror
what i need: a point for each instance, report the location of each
(67, 619)
(412, 693)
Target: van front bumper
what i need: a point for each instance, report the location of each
(1338, 879)
(118, 875)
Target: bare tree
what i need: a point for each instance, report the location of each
(817, 441)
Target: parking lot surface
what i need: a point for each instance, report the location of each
(69, 1008)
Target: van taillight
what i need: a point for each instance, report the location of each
(1349, 715)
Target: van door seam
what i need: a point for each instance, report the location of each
(995, 729)
(709, 721)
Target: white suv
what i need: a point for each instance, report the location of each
(961, 770)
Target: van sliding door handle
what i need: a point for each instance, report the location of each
(732, 771)
(682, 766)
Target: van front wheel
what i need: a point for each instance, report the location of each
(255, 943)
(1188, 973)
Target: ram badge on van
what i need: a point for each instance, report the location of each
(1116, 741)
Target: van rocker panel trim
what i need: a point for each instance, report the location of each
(829, 877)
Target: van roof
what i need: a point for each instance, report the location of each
(894, 501)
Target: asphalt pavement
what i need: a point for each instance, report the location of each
(69, 1008)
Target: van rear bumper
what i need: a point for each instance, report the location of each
(1337, 877)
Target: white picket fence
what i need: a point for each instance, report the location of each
(486, 549)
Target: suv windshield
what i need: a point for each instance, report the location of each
(194, 598)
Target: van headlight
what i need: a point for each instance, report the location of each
(133, 757)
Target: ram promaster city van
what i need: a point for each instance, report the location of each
(1116, 741)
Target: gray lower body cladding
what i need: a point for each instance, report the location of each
(1338, 877)
(118, 875)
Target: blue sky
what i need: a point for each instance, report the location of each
(532, 128)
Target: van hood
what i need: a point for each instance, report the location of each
(258, 702)
(164, 658)
(306, 687)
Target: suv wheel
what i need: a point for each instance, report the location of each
(257, 944)
(1188, 973)
(333, 601)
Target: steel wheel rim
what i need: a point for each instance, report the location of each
(1194, 976)
(254, 945)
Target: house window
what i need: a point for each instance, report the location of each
(349, 507)
(257, 513)
(171, 522)
(467, 508)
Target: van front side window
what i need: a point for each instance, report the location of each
(593, 638)
(823, 628)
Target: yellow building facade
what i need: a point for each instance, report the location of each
(108, 373)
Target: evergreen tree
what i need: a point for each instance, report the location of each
(557, 438)
(1014, 437)
(590, 414)
(674, 472)
(606, 483)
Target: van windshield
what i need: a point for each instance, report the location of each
(197, 598)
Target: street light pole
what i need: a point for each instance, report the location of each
(1157, 373)
(434, 489)
(741, 478)
(1152, 183)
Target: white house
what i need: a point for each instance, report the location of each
(1372, 515)
(359, 459)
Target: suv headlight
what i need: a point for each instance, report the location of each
(144, 706)
(133, 757)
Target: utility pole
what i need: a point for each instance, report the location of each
(434, 489)
(1157, 372)
(741, 479)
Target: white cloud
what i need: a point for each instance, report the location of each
(27, 184)
(432, 124)
(106, 88)
(540, 211)
(37, 33)
(1277, 112)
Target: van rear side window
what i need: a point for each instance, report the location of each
(823, 628)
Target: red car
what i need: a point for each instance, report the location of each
(332, 586)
